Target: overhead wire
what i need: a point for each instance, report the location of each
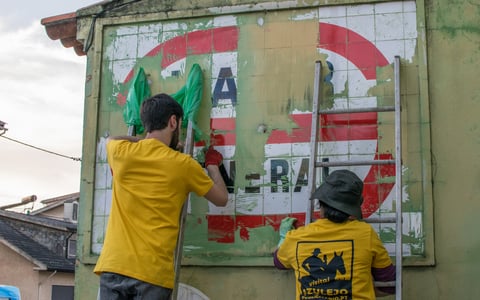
(41, 149)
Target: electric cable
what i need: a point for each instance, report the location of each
(44, 150)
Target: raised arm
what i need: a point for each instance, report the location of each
(218, 194)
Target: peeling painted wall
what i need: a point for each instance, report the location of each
(258, 70)
(257, 105)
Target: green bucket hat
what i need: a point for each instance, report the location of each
(342, 190)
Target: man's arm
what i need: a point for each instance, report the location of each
(276, 261)
(218, 194)
(383, 275)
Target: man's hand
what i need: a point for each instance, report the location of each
(213, 157)
(286, 226)
(218, 194)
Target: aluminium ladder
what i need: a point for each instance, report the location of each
(314, 163)
(188, 149)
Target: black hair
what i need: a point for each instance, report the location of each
(333, 214)
(157, 110)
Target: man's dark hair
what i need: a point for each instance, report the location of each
(157, 110)
(333, 214)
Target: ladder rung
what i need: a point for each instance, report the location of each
(381, 220)
(384, 283)
(319, 164)
(357, 110)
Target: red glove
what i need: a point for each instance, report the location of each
(213, 157)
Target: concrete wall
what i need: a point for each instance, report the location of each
(33, 284)
(453, 45)
(442, 130)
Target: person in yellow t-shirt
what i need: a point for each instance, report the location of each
(151, 181)
(338, 256)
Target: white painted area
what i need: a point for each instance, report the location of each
(125, 47)
(311, 15)
(224, 21)
(362, 25)
(120, 70)
(412, 227)
(178, 66)
(146, 42)
(187, 292)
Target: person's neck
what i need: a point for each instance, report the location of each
(161, 135)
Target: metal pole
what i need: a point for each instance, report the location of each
(183, 217)
(313, 141)
(398, 181)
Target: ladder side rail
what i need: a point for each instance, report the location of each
(378, 220)
(183, 217)
(357, 110)
(398, 181)
(384, 283)
(348, 163)
(313, 141)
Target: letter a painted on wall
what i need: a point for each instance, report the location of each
(225, 88)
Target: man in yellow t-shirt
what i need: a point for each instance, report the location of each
(338, 256)
(151, 181)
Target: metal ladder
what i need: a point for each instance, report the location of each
(188, 149)
(315, 163)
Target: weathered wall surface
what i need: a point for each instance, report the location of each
(454, 60)
(259, 71)
(55, 240)
(33, 284)
(21, 274)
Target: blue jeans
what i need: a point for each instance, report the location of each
(118, 287)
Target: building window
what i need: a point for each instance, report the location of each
(72, 247)
(62, 292)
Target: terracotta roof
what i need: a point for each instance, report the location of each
(64, 28)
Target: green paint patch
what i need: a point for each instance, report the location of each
(255, 242)
(386, 179)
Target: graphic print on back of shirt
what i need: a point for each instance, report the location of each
(325, 269)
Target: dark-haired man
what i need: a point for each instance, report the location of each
(151, 181)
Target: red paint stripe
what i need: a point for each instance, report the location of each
(375, 193)
(220, 39)
(225, 39)
(224, 139)
(355, 48)
(222, 123)
(342, 127)
(223, 131)
(221, 228)
(199, 42)
(174, 50)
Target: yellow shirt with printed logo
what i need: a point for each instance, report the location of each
(332, 260)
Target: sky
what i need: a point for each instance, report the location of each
(41, 100)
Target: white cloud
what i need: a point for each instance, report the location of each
(41, 99)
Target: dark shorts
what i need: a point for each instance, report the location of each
(118, 287)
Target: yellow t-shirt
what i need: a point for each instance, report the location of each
(333, 261)
(150, 184)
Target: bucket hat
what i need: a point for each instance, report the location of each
(342, 190)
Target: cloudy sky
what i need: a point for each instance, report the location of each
(41, 100)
